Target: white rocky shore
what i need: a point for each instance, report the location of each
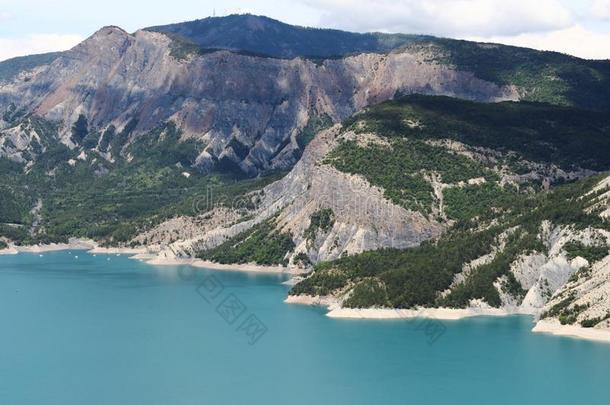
(335, 310)
(542, 326)
(555, 328)
(159, 260)
(436, 313)
(73, 244)
(10, 250)
(151, 255)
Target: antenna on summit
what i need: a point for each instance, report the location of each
(214, 12)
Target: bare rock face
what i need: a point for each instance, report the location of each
(544, 275)
(588, 297)
(246, 110)
(568, 289)
(17, 142)
(362, 218)
(583, 299)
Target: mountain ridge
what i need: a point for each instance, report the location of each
(266, 36)
(114, 78)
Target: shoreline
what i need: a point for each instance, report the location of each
(448, 314)
(117, 251)
(332, 304)
(73, 244)
(311, 300)
(144, 254)
(445, 314)
(557, 329)
(8, 251)
(156, 260)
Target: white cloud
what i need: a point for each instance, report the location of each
(601, 9)
(575, 40)
(36, 43)
(445, 17)
(542, 24)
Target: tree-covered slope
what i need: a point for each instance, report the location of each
(485, 170)
(425, 275)
(567, 137)
(77, 192)
(549, 77)
(510, 137)
(265, 36)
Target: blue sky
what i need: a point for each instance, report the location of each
(578, 27)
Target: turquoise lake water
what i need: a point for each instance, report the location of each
(109, 330)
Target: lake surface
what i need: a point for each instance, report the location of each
(109, 330)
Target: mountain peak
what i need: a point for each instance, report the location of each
(109, 30)
(106, 38)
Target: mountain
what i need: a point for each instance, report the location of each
(540, 76)
(248, 112)
(507, 242)
(264, 36)
(396, 171)
(432, 201)
(251, 114)
(401, 172)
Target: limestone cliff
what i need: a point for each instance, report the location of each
(248, 111)
(362, 218)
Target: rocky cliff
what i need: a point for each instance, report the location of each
(360, 218)
(248, 111)
(220, 82)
